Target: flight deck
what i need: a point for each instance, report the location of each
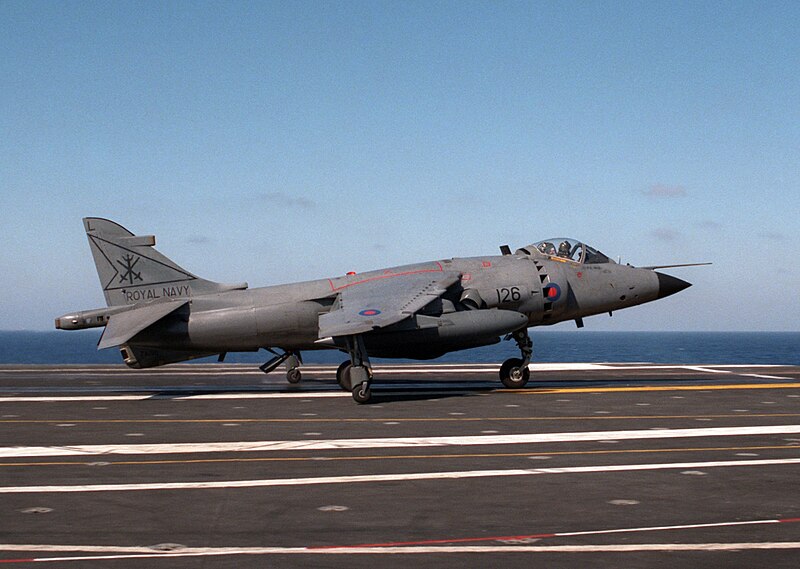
(219, 465)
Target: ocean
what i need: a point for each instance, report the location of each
(781, 348)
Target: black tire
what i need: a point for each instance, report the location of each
(513, 375)
(294, 375)
(343, 375)
(362, 393)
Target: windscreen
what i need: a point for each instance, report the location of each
(567, 249)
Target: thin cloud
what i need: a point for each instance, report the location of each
(665, 234)
(709, 224)
(662, 191)
(198, 239)
(772, 235)
(285, 200)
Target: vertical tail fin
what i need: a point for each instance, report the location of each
(132, 271)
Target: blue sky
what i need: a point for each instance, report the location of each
(274, 142)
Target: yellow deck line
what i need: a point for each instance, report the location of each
(537, 391)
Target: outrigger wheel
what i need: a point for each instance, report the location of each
(293, 362)
(294, 375)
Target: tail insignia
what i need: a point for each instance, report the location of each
(129, 275)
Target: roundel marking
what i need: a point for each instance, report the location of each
(552, 292)
(370, 312)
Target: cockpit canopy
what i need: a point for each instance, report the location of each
(567, 249)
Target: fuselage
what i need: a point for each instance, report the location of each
(544, 290)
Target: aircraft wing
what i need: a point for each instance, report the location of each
(125, 325)
(380, 302)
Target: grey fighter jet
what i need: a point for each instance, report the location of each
(159, 313)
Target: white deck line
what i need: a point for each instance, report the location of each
(402, 477)
(392, 442)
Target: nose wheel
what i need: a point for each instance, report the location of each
(514, 373)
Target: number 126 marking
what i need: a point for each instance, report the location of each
(508, 294)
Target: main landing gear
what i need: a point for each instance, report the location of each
(293, 361)
(343, 375)
(356, 375)
(514, 372)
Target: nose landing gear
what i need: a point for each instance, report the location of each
(514, 373)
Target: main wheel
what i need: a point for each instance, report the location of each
(294, 375)
(513, 374)
(362, 393)
(343, 375)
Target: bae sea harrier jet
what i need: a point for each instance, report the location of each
(159, 313)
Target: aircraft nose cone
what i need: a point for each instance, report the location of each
(668, 285)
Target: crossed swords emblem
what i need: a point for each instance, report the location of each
(128, 265)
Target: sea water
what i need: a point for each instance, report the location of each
(781, 348)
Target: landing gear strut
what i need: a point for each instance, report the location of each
(514, 372)
(293, 361)
(356, 375)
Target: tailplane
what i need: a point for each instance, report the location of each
(132, 271)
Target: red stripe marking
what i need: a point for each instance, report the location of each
(385, 276)
(493, 538)
(424, 542)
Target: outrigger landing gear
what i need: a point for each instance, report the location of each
(514, 373)
(356, 375)
(293, 361)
